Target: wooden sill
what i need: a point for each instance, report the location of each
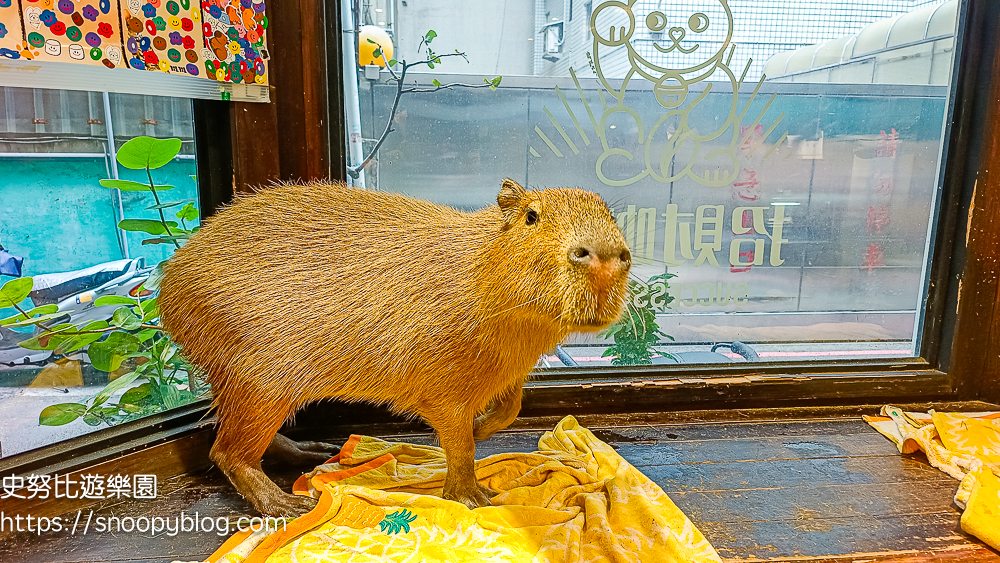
(784, 484)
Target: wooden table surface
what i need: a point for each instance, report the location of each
(810, 489)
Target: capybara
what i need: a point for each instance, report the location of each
(303, 292)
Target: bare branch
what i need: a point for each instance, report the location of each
(448, 86)
(355, 171)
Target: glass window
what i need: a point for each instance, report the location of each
(773, 166)
(87, 250)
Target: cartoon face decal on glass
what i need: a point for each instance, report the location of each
(661, 44)
(656, 21)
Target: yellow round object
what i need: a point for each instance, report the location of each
(366, 49)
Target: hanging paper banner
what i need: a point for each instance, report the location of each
(220, 40)
(234, 35)
(10, 30)
(77, 31)
(163, 36)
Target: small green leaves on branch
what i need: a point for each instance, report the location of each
(431, 60)
(188, 213)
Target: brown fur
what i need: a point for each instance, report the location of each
(306, 292)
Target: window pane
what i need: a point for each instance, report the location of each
(55, 149)
(776, 161)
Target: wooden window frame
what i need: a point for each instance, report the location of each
(241, 145)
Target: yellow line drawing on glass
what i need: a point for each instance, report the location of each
(673, 147)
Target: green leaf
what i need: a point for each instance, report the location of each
(109, 354)
(167, 239)
(15, 291)
(34, 320)
(151, 310)
(168, 204)
(63, 413)
(113, 300)
(392, 62)
(135, 395)
(145, 226)
(115, 386)
(147, 152)
(92, 419)
(128, 186)
(129, 408)
(145, 334)
(496, 81)
(152, 283)
(370, 41)
(43, 310)
(436, 82)
(171, 396)
(50, 339)
(125, 319)
(76, 342)
(430, 36)
(377, 53)
(430, 64)
(188, 213)
(167, 353)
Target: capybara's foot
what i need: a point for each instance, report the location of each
(299, 453)
(285, 505)
(471, 497)
(251, 482)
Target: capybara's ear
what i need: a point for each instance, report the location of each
(510, 199)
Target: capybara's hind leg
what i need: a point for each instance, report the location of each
(500, 414)
(460, 483)
(242, 438)
(289, 451)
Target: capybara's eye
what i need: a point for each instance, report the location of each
(531, 217)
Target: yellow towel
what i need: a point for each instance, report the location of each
(573, 500)
(963, 445)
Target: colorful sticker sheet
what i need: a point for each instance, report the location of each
(75, 31)
(163, 35)
(10, 30)
(222, 40)
(234, 41)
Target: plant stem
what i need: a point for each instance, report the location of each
(27, 318)
(163, 219)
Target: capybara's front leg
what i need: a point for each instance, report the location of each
(501, 413)
(242, 437)
(460, 484)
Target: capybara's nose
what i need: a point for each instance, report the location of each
(596, 255)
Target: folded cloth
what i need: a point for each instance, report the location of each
(963, 445)
(575, 499)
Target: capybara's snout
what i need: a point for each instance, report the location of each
(601, 256)
(600, 265)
